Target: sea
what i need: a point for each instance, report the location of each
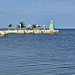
(38, 54)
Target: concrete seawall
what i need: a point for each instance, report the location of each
(30, 31)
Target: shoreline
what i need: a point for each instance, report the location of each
(29, 32)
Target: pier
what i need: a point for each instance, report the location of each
(30, 31)
(51, 30)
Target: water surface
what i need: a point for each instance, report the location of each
(33, 54)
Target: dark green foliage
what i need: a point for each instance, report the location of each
(22, 24)
(18, 26)
(10, 25)
(33, 26)
(38, 26)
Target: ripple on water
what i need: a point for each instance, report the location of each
(38, 54)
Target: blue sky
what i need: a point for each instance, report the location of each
(38, 12)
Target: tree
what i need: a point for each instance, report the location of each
(22, 24)
(38, 26)
(10, 25)
(33, 26)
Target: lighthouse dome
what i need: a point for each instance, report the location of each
(51, 21)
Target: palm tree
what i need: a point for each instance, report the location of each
(22, 24)
(10, 25)
(33, 26)
(38, 26)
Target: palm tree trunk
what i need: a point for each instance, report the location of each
(9, 28)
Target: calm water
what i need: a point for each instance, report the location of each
(38, 54)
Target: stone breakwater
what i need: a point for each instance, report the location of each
(30, 31)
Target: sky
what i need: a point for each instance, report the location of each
(41, 12)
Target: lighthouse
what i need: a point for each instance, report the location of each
(51, 27)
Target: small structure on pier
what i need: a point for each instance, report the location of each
(51, 27)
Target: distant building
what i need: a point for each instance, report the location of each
(51, 27)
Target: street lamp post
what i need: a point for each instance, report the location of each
(20, 26)
(29, 26)
(37, 27)
(44, 27)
